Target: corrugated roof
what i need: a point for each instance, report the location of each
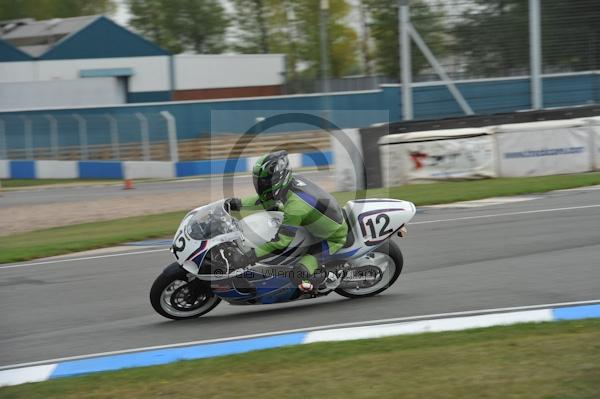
(36, 37)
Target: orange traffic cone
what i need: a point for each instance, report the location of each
(128, 184)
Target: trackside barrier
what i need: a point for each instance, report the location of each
(202, 350)
(544, 148)
(594, 124)
(4, 169)
(511, 150)
(441, 154)
(12, 169)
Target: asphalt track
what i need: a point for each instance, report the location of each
(534, 252)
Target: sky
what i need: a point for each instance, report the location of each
(122, 14)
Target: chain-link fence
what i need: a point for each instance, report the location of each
(81, 136)
(470, 39)
(491, 38)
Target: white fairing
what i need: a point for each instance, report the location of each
(260, 227)
(188, 251)
(375, 220)
(371, 221)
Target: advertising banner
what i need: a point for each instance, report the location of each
(437, 155)
(543, 148)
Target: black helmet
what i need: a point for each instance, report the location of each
(272, 176)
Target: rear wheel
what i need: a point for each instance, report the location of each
(373, 273)
(178, 295)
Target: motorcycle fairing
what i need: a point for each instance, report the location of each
(372, 222)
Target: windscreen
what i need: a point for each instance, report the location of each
(210, 222)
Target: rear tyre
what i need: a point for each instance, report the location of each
(385, 265)
(177, 295)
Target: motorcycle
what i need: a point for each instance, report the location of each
(209, 240)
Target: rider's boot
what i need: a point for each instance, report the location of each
(306, 282)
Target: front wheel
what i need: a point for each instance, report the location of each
(177, 295)
(373, 273)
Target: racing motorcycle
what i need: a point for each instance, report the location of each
(209, 240)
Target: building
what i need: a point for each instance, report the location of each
(93, 61)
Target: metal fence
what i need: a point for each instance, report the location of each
(470, 39)
(459, 39)
(351, 83)
(69, 136)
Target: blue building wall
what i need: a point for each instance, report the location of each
(102, 39)
(353, 109)
(9, 53)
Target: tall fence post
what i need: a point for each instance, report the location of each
(28, 137)
(114, 136)
(535, 54)
(3, 148)
(53, 135)
(464, 105)
(83, 142)
(405, 61)
(145, 135)
(172, 134)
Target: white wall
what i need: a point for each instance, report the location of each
(150, 73)
(17, 71)
(216, 71)
(56, 170)
(59, 93)
(148, 169)
(4, 170)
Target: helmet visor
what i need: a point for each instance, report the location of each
(264, 188)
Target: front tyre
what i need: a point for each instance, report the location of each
(177, 295)
(373, 273)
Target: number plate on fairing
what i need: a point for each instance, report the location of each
(377, 219)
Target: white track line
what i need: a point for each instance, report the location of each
(83, 258)
(505, 214)
(315, 328)
(411, 224)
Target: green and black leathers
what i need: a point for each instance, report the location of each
(308, 206)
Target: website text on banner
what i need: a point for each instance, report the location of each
(544, 148)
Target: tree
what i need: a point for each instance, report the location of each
(493, 36)
(383, 25)
(342, 39)
(292, 27)
(181, 25)
(47, 9)
(253, 21)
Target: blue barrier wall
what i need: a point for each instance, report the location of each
(18, 169)
(198, 118)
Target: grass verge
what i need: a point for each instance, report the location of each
(547, 360)
(447, 192)
(79, 237)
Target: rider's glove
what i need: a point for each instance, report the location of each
(233, 204)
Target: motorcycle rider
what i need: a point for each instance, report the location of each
(303, 204)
